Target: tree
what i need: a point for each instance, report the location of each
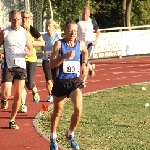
(64, 9)
(126, 12)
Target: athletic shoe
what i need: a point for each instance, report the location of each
(73, 144)
(50, 98)
(4, 104)
(91, 70)
(12, 125)
(53, 144)
(36, 97)
(23, 108)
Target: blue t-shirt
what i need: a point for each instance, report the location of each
(71, 66)
(49, 42)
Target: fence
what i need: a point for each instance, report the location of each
(115, 42)
(35, 6)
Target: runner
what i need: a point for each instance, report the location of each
(66, 56)
(50, 37)
(14, 38)
(31, 61)
(85, 32)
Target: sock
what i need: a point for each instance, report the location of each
(11, 120)
(70, 133)
(53, 135)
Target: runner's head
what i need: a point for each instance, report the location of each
(85, 13)
(15, 19)
(26, 18)
(70, 30)
(50, 26)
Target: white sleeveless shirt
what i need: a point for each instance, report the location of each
(85, 30)
(14, 44)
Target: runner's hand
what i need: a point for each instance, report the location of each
(84, 69)
(1, 55)
(70, 55)
(27, 52)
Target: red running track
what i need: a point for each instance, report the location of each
(109, 73)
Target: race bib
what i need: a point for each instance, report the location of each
(71, 67)
(19, 61)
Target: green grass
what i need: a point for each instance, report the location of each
(114, 119)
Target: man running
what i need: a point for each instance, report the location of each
(66, 57)
(14, 38)
(31, 61)
(85, 32)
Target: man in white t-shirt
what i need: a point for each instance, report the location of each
(86, 26)
(17, 45)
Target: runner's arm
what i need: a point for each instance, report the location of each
(39, 39)
(1, 37)
(84, 52)
(39, 42)
(29, 46)
(84, 58)
(55, 59)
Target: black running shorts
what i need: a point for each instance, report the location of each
(10, 74)
(63, 87)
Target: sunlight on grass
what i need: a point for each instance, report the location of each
(114, 119)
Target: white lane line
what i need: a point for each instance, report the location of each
(123, 77)
(143, 70)
(117, 72)
(102, 64)
(147, 60)
(135, 61)
(107, 79)
(42, 81)
(130, 66)
(135, 76)
(142, 65)
(123, 62)
(39, 75)
(116, 68)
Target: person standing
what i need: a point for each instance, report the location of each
(31, 61)
(86, 26)
(17, 45)
(50, 37)
(66, 57)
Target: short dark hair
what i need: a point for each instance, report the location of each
(69, 22)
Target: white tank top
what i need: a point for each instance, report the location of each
(14, 44)
(85, 30)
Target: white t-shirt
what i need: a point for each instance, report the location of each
(14, 44)
(85, 30)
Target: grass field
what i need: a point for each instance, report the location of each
(113, 119)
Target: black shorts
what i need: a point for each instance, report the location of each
(47, 70)
(10, 74)
(63, 87)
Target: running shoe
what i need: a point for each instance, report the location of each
(23, 108)
(73, 144)
(91, 70)
(4, 104)
(36, 97)
(50, 98)
(12, 125)
(53, 144)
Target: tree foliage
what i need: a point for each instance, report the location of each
(107, 13)
(65, 9)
